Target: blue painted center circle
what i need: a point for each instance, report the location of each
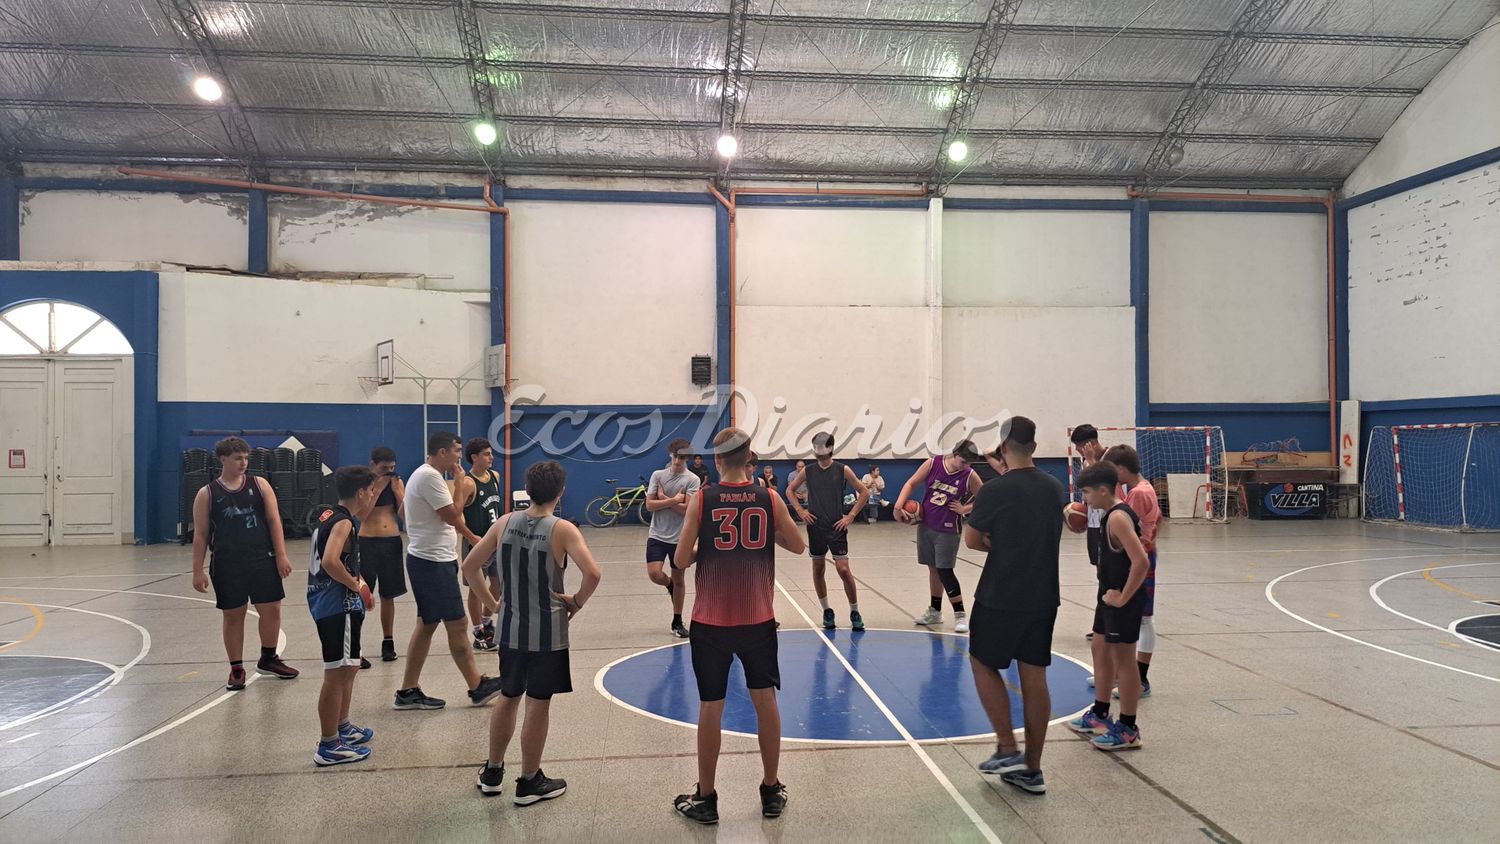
(922, 677)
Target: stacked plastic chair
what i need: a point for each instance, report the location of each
(289, 501)
(309, 468)
(195, 476)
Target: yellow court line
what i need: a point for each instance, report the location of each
(1427, 573)
(35, 628)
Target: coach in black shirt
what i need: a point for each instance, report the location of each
(1018, 522)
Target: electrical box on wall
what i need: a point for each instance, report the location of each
(703, 370)
(494, 367)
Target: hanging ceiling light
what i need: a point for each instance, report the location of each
(208, 88)
(1174, 155)
(728, 145)
(485, 133)
(958, 151)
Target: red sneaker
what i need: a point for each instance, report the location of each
(236, 678)
(274, 667)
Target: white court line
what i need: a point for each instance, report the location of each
(599, 687)
(23, 738)
(118, 673)
(1453, 628)
(281, 645)
(1277, 604)
(1375, 595)
(907, 737)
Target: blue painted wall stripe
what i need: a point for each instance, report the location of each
(498, 282)
(259, 261)
(1231, 206)
(1140, 299)
(1443, 403)
(723, 347)
(1426, 177)
(1341, 301)
(975, 204)
(10, 220)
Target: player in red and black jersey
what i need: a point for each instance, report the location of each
(729, 529)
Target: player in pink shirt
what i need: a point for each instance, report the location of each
(1138, 493)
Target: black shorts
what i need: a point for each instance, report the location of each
(435, 586)
(657, 551)
(491, 566)
(823, 540)
(536, 674)
(244, 581)
(714, 649)
(380, 565)
(1120, 625)
(340, 637)
(998, 636)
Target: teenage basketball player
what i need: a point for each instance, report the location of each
(667, 498)
(1140, 495)
(380, 547)
(235, 521)
(948, 481)
(479, 495)
(828, 524)
(728, 531)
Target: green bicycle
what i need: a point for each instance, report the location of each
(625, 503)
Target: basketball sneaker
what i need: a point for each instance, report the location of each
(413, 698)
(929, 618)
(772, 800)
(679, 630)
(338, 753)
(697, 807)
(856, 621)
(1030, 782)
(387, 650)
(363, 663)
(352, 735)
(1004, 763)
(272, 666)
(1119, 737)
(488, 687)
(960, 622)
(236, 678)
(1089, 724)
(830, 621)
(491, 779)
(540, 787)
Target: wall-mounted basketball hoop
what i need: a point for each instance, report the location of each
(385, 362)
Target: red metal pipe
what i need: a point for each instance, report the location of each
(316, 192)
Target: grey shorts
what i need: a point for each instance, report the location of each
(935, 548)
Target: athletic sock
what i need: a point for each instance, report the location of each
(824, 602)
(1144, 667)
(267, 654)
(1101, 709)
(958, 606)
(937, 603)
(236, 663)
(854, 607)
(1127, 720)
(330, 739)
(344, 725)
(676, 618)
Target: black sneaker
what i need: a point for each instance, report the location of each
(387, 650)
(679, 630)
(481, 643)
(274, 667)
(772, 800)
(363, 663)
(697, 808)
(491, 780)
(1028, 781)
(538, 788)
(236, 680)
(414, 699)
(488, 687)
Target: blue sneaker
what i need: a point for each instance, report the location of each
(1145, 691)
(352, 735)
(1030, 782)
(1003, 763)
(1089, 724)
(856, 621)
(830, 621)
(1119, 737)
(339, 753)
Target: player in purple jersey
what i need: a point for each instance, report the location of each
(945, 483)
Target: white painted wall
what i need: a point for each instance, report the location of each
(830, 256)
(1424, 291)
(822, 362)
(208, 230)
(1455, 116)
(1057, 366)
(450, 248)
(1239, 307)
(610, 301)
(1036, 258)
(238, 339)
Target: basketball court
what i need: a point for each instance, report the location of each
(1308, 687)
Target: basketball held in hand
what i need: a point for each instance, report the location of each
(913, 511)
(1076, 515)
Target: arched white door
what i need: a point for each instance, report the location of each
(66, 427)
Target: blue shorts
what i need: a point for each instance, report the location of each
(658, 550)
(435, 586)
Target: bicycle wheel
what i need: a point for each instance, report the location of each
(643, 514)
(595, 513)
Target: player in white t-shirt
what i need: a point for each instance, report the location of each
(433, 524)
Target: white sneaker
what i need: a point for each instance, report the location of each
(929, 618)
(960, 622)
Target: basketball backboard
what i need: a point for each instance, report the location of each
(385, 362)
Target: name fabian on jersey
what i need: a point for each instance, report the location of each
(736, 497)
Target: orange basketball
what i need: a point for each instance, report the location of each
(913, 510)
(1076, 516)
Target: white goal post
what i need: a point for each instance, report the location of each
(1440, 476)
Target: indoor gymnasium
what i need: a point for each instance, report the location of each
(750, 420)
